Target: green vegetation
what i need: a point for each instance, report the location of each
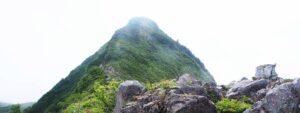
(93, 74)
(190, 82)
(232, 106)
(287, 80)
(151, 60)
(92, 94)
(15, 109)
(147, 56)
(165, 84)
(246, 99)
(212, 96)
(101, 99)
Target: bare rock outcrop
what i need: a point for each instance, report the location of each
(268, 92)
(188, 84)
(296, 84)
(127, 90)
(266, 71)
(188, 80)
(247, 88)
(190, 96)
(178, 103)
(280, 99)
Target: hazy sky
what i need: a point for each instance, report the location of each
(41, 41)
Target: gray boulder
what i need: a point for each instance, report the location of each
(188, 80)
(178, 103)
(256, 108)
(166, 101)
(247, 88)
(126, 91)
(274, 83)
(150, 102)
(266, 71)
(277, 100)
(260, 94)
(296, 84)
(191, 90)
(188, 84)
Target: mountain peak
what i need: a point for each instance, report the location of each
(138, 51)
(142, 22)
(142, 26)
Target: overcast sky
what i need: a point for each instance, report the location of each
(41, 41)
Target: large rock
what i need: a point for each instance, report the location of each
(126, 91)
(274, 83)
(163, 101)
(191, 90)
(277, 100)
(188, 80)
(178, 103)
(296, 84)
(247, 88)
(150, 102)
(266, 71)
(188, 84)
(260, 94)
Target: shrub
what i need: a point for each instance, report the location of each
(106, 93)
(15, 109)
(246, 99)
(165, 84)
(254, 78)
(212, 96)
(190, 82)
(287, 80)
(100, 99)
(225, 88)
(231, 106)
(94, 73)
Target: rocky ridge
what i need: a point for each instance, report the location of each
(267, 92)
(189, 96)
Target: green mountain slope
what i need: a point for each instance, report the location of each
(139, 51)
